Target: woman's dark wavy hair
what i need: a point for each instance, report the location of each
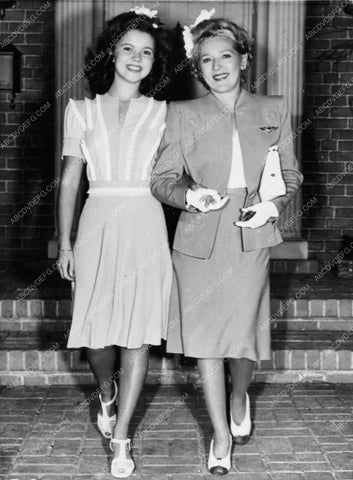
(210, 28)
(99, 65)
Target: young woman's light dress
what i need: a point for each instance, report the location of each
(122, 260)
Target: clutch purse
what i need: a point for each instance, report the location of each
(272, 184)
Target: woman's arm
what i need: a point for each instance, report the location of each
(289, 163)
(69, 185)
(169, 181)
(263, 212)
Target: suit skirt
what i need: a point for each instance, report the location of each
(220, 306)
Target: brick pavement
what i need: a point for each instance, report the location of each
(304, 434)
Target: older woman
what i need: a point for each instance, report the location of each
(221, 256)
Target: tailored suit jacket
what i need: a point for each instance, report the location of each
(197, 143)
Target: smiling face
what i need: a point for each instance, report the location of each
(220, 64)
(134, 56)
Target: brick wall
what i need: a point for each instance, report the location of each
(26, 162)
(328, 143)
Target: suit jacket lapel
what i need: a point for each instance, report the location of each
(222, 143)
(252, 148)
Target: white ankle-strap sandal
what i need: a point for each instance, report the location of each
(122, 467)
(105, 423)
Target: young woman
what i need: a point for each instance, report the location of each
(221, 260)
(120, 263)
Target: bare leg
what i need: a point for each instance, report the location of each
(213, 386)
(102, 363)
(241, 370)
(134, 366)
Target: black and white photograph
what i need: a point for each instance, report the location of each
(176, 218)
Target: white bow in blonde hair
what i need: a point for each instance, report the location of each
(187, 35)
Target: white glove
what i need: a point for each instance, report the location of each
(263, 211)
(197, 199)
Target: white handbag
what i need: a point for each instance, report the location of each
(272, 184)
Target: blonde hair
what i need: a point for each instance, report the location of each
(214, 27)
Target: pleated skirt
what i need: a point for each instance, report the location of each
(123, 274)
(220, 307)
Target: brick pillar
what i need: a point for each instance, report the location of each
(279, 66)
(73, 34)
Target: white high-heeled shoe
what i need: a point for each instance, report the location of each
(105, 423)
(219, 466)
(241, 433)
(122, 467)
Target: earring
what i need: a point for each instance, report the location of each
(111, 55)
(244, 62)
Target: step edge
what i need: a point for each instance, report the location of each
(279, 376)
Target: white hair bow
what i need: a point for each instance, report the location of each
(142, 10)
(187, 35)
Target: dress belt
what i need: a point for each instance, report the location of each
(118, 191)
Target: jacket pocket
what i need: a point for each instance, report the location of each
(263, 237)
(196, 233)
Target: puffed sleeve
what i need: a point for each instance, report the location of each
(169, 181)
(290, 167)
(74, 129)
